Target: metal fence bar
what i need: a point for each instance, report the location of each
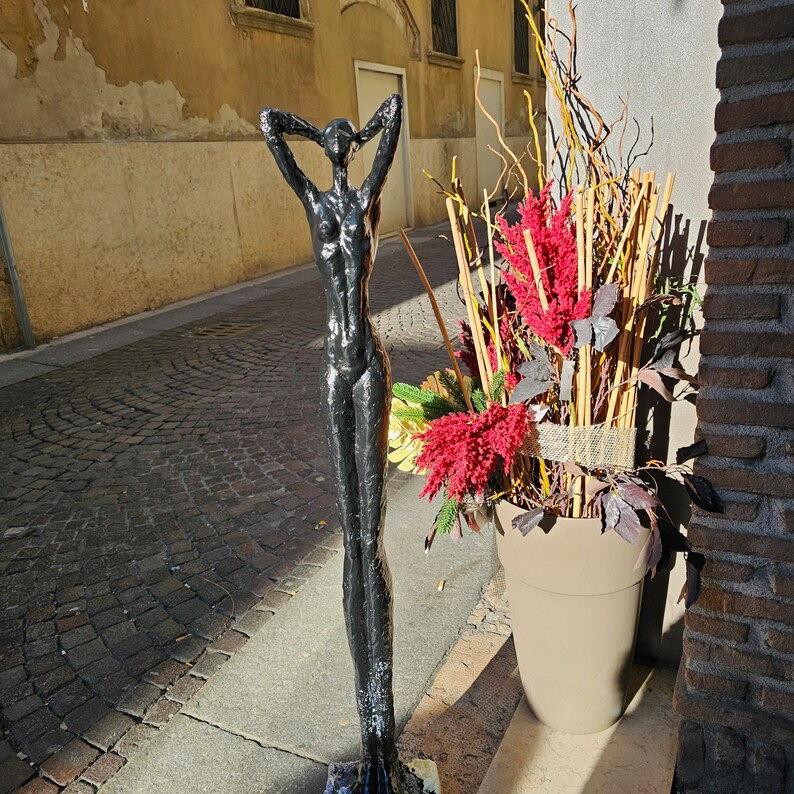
(16, 287)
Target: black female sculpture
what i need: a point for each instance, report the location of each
(355, 397)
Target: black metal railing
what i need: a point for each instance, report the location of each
(520, 38)
(287, 8)
(445, 26)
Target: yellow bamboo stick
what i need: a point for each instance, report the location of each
(472, 309)
(497, 339)
(533, 261)
(640, 291)
(580, 197)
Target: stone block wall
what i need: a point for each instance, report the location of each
(735, 689)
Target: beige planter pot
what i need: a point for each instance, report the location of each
(574, 602)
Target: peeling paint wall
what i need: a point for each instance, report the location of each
(131, 166)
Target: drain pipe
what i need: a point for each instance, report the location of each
(16, 287)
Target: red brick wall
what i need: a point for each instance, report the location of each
(735, 689)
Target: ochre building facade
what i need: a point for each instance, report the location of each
(132, 172)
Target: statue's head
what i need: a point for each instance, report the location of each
(340, 141)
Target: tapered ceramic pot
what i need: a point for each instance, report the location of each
(574, 599)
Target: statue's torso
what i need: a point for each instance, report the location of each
(342, 236)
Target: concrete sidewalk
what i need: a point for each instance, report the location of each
(282, 708)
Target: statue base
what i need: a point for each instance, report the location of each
(418, 777)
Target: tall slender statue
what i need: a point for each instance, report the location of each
(355, 397)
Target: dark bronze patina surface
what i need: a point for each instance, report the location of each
(355, 397)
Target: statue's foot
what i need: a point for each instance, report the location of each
(344, 779)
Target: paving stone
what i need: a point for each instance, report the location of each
(229, 642)
(103, 768)
(136, 739)
(13, 774)
(208, 664)
(54, 679)
(252, 621)
(77, 636)
(130, 646)
(83, 717)
(137, 665)
(161, 712)
(72, 622)
(115, 686)
(108, 730)
(165, 673)
(166, 632)
(69, 698)
(20, 709)
(100, 669)
(185, 688)
(48, 744)
(78, 787)
(118, 631)
(36, 724)
(12, 677)
(39, 786)
(70, 762)
(84, 654)
(209, 626)
(189, 610)
(187, 650)
(139, 699)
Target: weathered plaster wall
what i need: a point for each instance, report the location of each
(662, 56)
(131, 166)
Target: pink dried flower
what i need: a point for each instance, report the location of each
(554, 238)
(462, 451)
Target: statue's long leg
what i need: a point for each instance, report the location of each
(371, 396)
(340, 421)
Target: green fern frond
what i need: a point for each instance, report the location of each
(450, 383)
(410, 414)
(498, 385)
(446, 516)
(433, 404)
(478, 400)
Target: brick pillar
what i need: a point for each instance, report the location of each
(735, 689)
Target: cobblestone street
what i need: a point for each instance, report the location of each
(152, 496)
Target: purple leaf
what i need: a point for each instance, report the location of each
(528, 388)
(594, 486)
(651, 553)
(676, 372)
(528, 521)
(694, 565)
(628, 527)
(666, 361)
(605, 300)
(637, 497)
(604, 331)
(582, 331)
(692, 451)
(654, 380)
(574, 469)
(702, 493)
(610, 506)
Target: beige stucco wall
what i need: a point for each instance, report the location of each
(131, 167)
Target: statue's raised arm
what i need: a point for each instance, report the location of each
(275, 124)
(388, 119)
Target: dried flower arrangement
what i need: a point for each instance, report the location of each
(560, 333)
